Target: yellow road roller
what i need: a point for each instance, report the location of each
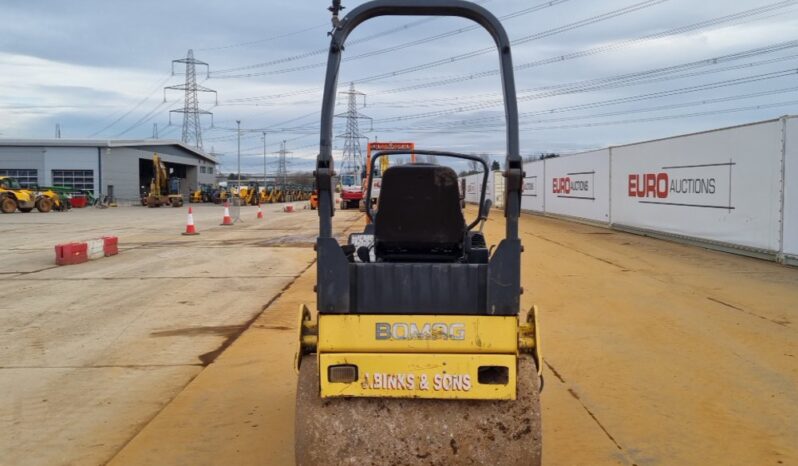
(417, 352)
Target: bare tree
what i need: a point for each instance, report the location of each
(473, 166)
(486, 158)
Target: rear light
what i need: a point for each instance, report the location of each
(493, 375)
(342, 373)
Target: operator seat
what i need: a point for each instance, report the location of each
(419, 217)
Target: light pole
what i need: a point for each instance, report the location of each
(284, 168)
(238, 200)
(264, 158)
(238, 131)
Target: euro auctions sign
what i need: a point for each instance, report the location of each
(575, 185)
(532, 195)
(720, 185)
(706, 186)
(578, 185)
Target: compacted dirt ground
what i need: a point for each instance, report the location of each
(656, 353)
(90, 353)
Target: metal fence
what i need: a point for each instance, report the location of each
(235, 209)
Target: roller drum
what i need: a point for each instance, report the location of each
(394, 431)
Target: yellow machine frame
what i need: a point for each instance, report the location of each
(419, 356)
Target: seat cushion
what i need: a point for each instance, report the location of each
(419, 212)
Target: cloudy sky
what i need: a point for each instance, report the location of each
(589, 74)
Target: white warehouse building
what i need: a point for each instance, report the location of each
(121, 169)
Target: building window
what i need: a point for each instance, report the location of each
(202, 169)
(75, 179)
(210, 170)
(27, 177)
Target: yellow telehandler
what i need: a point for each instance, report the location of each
(13, 196)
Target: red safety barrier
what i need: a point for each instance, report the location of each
(71, 253)
(79, 252)
(110, 245)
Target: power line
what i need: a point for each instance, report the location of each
(133, 109)
(623, 79)
(147, 117)
(735, 18)
(309, 91)
(668, 117)
(261, 41)
(323, 50)
(393, 48)
(320, 51)
(741, 15)
(540, 35)
(694, 103)
(488, 104)
(626, 80)
(271, 128)
(466, 125)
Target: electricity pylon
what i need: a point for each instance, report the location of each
(192, 130)
(351, 172)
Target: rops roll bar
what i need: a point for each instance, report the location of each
(324, 163)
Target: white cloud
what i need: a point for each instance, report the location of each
(86, 63)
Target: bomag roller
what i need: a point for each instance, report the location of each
(418, 352)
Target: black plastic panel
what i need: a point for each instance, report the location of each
(420, 288)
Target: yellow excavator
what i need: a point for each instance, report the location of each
(417, 351)
(161, 193)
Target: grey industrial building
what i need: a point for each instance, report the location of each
(122, 169)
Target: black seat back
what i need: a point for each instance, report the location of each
(419, 217)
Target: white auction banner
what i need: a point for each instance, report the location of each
(721, 185)
(532, 195)
(474, 187)
(579, 185)
(790, 234)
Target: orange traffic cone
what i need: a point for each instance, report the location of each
(190, 228)
(260, 212)
(227, 220)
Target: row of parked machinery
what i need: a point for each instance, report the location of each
(166, 190)
(251, 194)
(14, 197)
